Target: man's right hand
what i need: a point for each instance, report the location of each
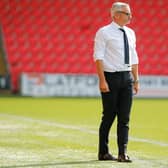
(104, 86)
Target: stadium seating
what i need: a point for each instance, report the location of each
(57, 36)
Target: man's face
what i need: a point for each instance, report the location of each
(124, 15)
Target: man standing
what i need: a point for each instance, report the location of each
(117, 68)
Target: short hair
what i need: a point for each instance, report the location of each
(117, 6)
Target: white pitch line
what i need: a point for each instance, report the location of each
(78, 128)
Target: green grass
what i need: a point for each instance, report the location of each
(63, 133)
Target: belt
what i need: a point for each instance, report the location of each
(117, 72)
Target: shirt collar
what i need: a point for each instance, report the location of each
(114, 24)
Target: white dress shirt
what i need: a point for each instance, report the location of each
(109, 47)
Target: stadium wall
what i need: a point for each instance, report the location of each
(84, 85)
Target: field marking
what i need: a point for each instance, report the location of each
(77, 128)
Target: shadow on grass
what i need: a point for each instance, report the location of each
(52, 164)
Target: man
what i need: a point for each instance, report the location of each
(117, 68)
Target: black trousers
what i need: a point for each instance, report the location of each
(118, 103)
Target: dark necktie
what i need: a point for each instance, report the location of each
(126, 47)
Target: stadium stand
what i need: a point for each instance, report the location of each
(57, 36)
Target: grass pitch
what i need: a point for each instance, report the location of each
(63, 133)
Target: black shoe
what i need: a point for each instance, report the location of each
(106, 156)
(124, 158)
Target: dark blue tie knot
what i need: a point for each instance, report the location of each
(122, 30)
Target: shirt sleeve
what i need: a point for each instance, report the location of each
(99, 46)
(135, 59)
